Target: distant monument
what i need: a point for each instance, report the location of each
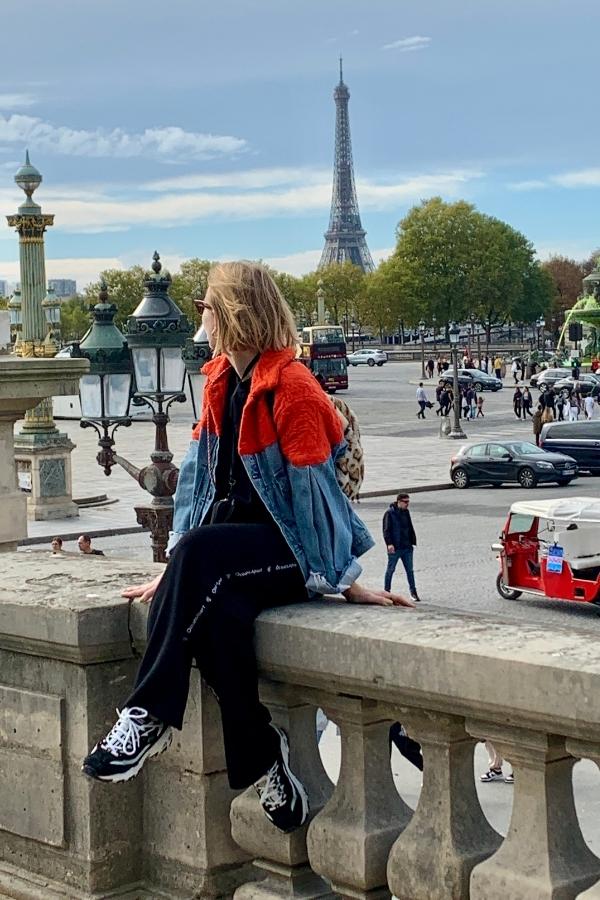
(345, 239)
(43, 454)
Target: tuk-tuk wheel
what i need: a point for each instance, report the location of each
(505, 592)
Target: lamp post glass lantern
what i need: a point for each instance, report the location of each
(422, 334)
(195, 353)
(454, 335)
(151, 349)
(434, 324)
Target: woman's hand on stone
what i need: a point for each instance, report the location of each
(356, 593)
(142, 592)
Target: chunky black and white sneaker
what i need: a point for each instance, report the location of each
(136, 737)
(282, 797)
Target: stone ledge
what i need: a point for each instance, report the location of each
(67, 607)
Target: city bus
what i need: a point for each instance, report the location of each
(323, 351)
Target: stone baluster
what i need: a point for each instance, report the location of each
(283, 858)
(350, 840)
(544, 855)
(187, 832)
(586, 750)
(448, 834)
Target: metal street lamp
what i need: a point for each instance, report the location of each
(541, 322)
(15, 318)
(105, 393)
(156, 333)
(454, 335)
(478, 333)
(195, 353)
(154, 338)
(51, 307)
(434, 323)
(422, 333)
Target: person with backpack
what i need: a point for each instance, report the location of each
(400, 541)
(260, 521)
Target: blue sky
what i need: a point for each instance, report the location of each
(206, 129)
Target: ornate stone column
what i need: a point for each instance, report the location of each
(448, 834)
(350, 840)
(283, 858)
(43, 454)
(544, 854)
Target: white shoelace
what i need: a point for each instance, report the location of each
(125, 736)
(272, 795)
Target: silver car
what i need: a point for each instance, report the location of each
(367, 358)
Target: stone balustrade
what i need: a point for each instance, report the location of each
(67, 645)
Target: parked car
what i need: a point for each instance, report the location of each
(581, 440)
(367, 358)
(588, 384)
(549, 377)
(520, 462)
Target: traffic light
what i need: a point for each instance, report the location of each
(575, 331)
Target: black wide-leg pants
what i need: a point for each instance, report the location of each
(218, 579)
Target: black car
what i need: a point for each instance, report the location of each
(549, 377)
(588, 384)
(481, 380)
(464, 381)
(510, 461)
(581, 440)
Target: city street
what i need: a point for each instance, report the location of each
(455, 566)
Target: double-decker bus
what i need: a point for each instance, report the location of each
(323, 350)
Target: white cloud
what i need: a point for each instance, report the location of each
(409, 44)
(251, 178)
(532, 184)
(270, 193)
(578, 249)
(83, 270)
(576, 179)
(170, 142)
(16, 101)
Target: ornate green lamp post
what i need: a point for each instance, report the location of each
(422, 336)
(105, 393)
(15, 319)
(454, 335)
(155, 335)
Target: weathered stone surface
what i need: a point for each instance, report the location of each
(350, 839)
(31, 771)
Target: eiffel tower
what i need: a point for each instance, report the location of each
(345, 237)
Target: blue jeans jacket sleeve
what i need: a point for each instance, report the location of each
(331, 533)
(184, 496)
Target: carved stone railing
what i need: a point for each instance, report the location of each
(66, 661)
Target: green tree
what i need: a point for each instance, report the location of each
(342, 284)
(566, 275)
(455, 263)
(190, 284)
(125, 289)
(74, 318)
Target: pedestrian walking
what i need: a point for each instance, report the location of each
(480, 406)
(464, 402)
(527, 403)
(589, 404)
(430, 367)
(265, 422)
(440, 365)
(421, 400)
(400, 541)
(498, 367)
(445, 401)
(573, 407)
(471, 400)
(518, 402)
(515, 370)
(438, 397)
(536, 422)
(495, 763)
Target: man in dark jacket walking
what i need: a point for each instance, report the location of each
(400, 539)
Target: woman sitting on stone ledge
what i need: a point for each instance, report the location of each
(260, 521)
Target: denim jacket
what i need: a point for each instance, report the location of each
(290, 435)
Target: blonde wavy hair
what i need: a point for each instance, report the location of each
(249, 311)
